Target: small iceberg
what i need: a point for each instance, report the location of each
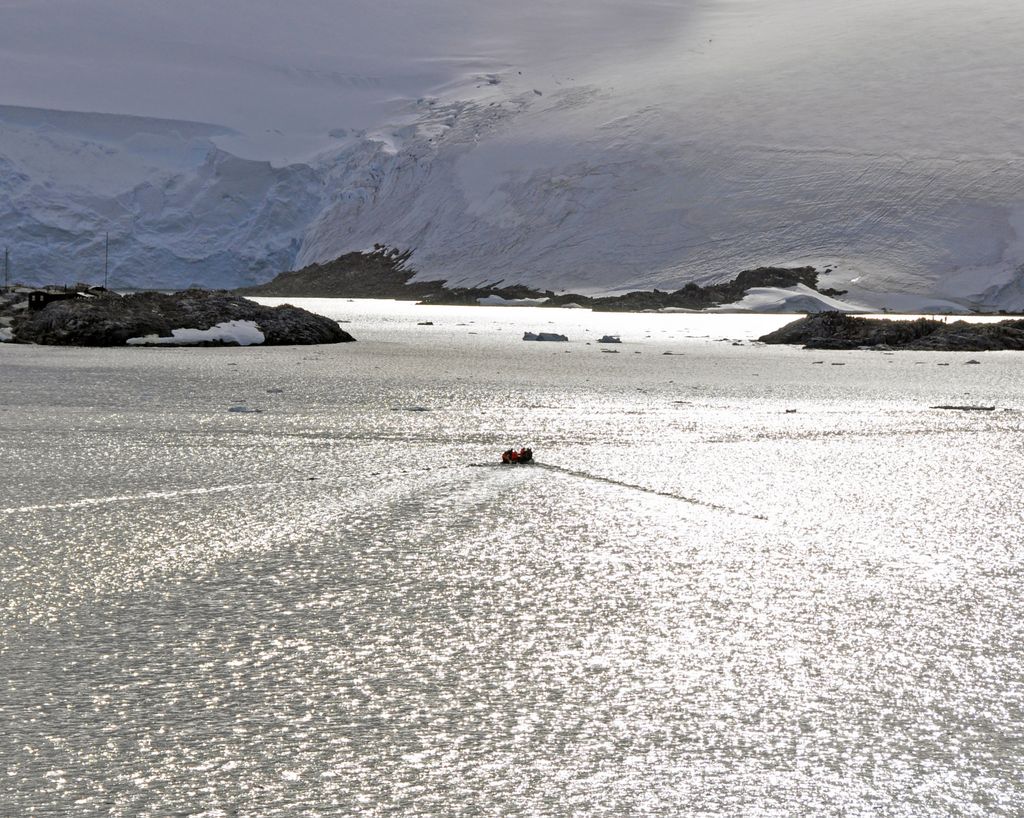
(244, 410)
(609, 339)
(543, 336)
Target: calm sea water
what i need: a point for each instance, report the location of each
(741, 580)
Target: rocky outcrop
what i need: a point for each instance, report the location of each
(382, 273)
(110, 320)
(695, 297)
(834, 330)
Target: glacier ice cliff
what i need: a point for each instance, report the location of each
(590, 147)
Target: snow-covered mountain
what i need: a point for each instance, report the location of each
(590, 145)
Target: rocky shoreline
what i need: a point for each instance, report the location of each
(385, 273)
(835, 330)
(188, 318)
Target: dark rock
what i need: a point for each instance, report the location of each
(383, 273)
(834, 330)
(470, 296)
(695, 297)
(111, 321)
(830, 343)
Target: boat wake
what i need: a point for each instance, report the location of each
(87, 502)
(622, 484)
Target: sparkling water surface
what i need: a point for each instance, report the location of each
(741, 579)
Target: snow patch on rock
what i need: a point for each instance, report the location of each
(243, 333)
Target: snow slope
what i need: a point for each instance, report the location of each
(798, 298)
(593, 145)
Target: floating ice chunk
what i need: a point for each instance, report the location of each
(543, 336)
(244, 410)
(609, 339)
(243, 333)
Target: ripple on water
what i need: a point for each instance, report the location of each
(192, 626)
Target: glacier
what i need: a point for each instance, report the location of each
(597, 146)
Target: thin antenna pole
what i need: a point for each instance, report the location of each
(106, 259)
